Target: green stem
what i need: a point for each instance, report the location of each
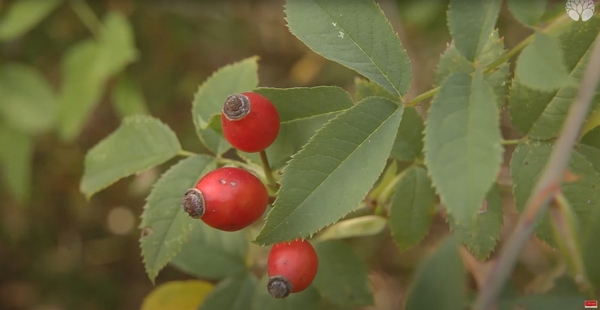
(268, 172)
(547, 185)
(87, 16)
(511, 142)
(186, 153)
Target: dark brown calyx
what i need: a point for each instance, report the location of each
(279, 287)
(236, 107)
(193, 203)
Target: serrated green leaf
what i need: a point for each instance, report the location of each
(16, 156)
(528, 13)
(592, 154)
(540, 65)
(463, 144)
(165, 227)
(591, 248)
(471, 23)
(452, 61)
(87, 66)
(442, 276)
(527, 164)
(592, 138)
(546, 302)
(213, 141)
(348, 154)
(235, 78)
(481, 237)
(367, 225)
(307, 299)
(302, 111)
(342, 277)
(234, 293)
(364, 88)
(23, 15)
(540, 114)
(140, 143)
(412, 208)
(357, 35)
(408, 145)
(212, 254)
(409, 139)
(28, 101)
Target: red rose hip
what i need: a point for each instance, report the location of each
(292, 266)
(250, 122)
(227, 198)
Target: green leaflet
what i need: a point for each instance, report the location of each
(540, 114)
(471, 23)
(463, 144)
(527, 164)
(357, 35)
(528, 13)
(23, 15)
(412, 208)
(452, 61)
(346, 156)
(540, 65)
(127, 98)
(234, 293)
(482, 236)
(307, 299)
(165, 227)
(140, 143)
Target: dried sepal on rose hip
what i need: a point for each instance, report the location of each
(291, 266)
(227, 198)
(250, 122)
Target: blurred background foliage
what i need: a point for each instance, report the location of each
(71, 69)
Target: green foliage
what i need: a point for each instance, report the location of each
(355, 227)
(23, 15)
(234, 293)
(471, 23)
(342, 277)
(349, 152)
(540, 65)
(591, 248)
(412, 208)
(439, 282)
(140, 143)
(86, 68)
(540, 114)
(462, 144)
(165, 227)
(331, 26)
(307, 299)
(482, 236)
(526, 165)
(452, 61)
(592, 138)
(212, 254)
(528, 13)
(28, 103)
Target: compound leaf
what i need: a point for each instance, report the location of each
(471, 23)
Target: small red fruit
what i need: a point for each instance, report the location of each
(292, 266)
(250, 122)
(227, 199)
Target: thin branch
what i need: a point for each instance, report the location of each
(548, 184)
(87, 16)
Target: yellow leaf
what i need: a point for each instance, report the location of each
(181, 295)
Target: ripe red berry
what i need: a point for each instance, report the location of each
(250, 122)
(227, 199)
(292, 266)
